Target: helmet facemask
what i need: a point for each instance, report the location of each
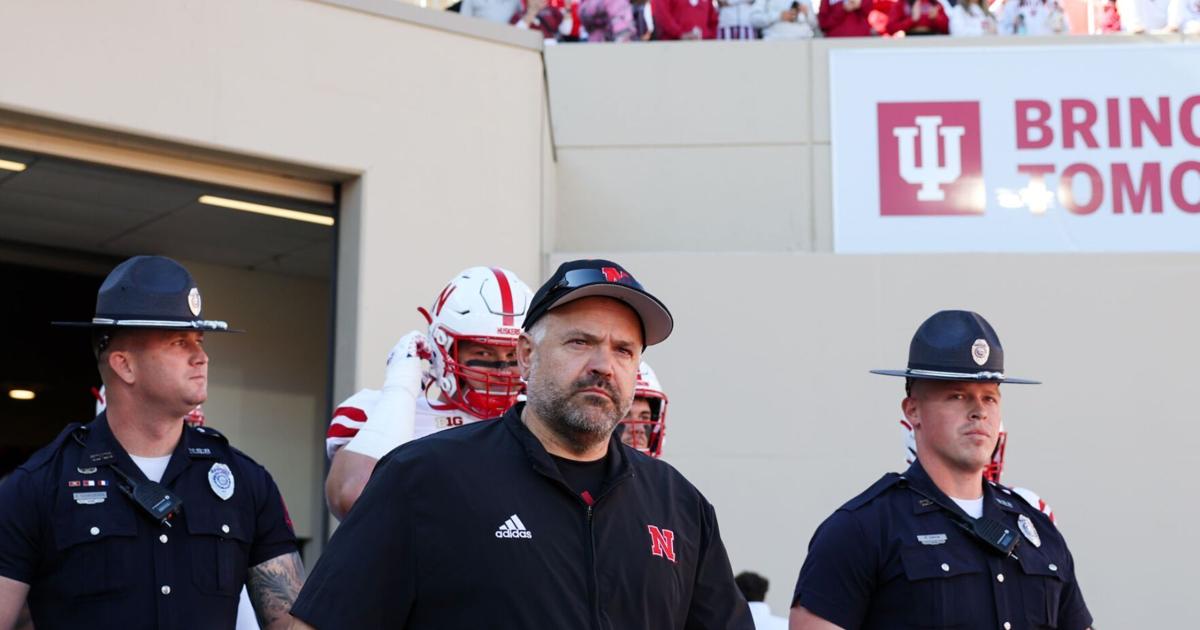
(996, 466)
(645, 435)
(484, 391)
(637, 431)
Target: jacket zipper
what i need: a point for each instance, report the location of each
(595, 594)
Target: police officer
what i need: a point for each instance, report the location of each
(937, 546)
(132, 521)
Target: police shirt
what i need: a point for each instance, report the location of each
(94, 559)
(475, 527)
(892, 558)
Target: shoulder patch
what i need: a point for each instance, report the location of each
(876, 489)
(43, 455)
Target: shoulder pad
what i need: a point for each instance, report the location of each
(364, 399)
(209, 432)
(1034, 501)
(46, 453)
(876, 489)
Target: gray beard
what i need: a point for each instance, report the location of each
(571, 421)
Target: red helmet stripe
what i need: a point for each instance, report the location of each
(506, 296)
(445, 295)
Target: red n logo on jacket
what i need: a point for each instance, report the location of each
(662, 542)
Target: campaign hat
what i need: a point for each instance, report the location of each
(956, 346)
(152, 292)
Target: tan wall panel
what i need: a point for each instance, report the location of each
(268, 385)
(736, 198)
(439, 132)
(775, 417)
(679, 93)
(822, 198)
(400, 103)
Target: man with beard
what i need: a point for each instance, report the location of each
(543, 519)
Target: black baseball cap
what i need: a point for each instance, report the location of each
(956, 346)
(150, 292)
(577, 279)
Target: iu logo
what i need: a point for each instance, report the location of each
(662, 543)
(612, 274)
(930, 159)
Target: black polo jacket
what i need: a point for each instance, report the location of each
(474, 527)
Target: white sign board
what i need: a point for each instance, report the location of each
(1016, 149)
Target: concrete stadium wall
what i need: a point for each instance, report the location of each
(706, 170)
(268, 386)
(434, 124)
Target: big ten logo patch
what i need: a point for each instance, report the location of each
(930, 159)
(445, 422)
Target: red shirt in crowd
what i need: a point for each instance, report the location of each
(674, 18)
(836, 21)
(932, 21)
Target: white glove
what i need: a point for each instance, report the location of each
(390, 423)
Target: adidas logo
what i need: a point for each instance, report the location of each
(513, 528)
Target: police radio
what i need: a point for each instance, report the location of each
(161, 504)
(992, 534)
(152, 497)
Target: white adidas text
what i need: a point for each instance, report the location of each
(513, 528)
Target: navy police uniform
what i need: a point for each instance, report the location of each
(903, 555)
(93, 559)
(893, 558)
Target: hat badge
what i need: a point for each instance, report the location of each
(194, 301)
(980, 351)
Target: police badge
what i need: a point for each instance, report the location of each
(194, 302)
(1028, 530)
(220, 479)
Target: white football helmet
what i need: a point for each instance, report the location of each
(647, 435)
(484, 305)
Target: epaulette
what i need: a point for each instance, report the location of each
(210, 433)
(46, 453)
(876, 489)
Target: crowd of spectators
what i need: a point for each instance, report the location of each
(642, 20)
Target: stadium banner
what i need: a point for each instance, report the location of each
(1085, 148)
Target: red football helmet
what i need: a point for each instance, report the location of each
(484, 305)
(646, 431)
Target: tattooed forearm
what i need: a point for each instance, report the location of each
(273, 587)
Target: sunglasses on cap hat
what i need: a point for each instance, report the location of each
(578, 279)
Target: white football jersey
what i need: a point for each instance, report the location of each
(350, 416)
